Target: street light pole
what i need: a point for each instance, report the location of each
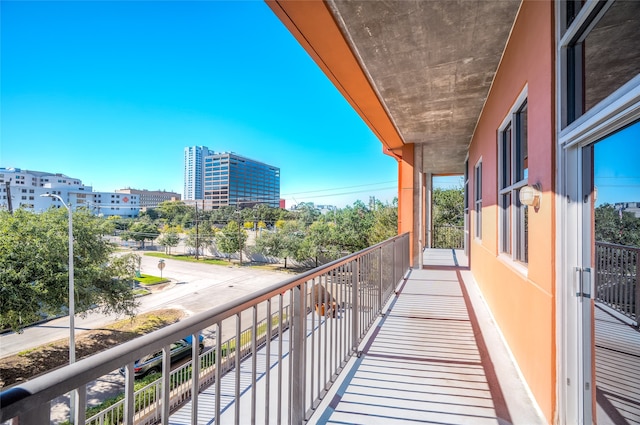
(72, 313)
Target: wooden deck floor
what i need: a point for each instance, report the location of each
(617, 370)
(434, 357)
(428, 360)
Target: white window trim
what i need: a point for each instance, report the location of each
(509, 120)
(477, 218)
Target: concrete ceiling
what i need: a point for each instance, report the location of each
(429, 65)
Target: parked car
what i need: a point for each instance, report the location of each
(152, 363)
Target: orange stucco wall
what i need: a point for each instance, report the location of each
(405, 196)
(522, 302)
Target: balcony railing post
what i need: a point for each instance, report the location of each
(355, 304)
(129, 394)
(297, 361)
(166, 384)
(380, 280)
(394, 266)
(79, 413)
(195, 375)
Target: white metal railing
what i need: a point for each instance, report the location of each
(147, 399)
(327, 312)
(618, 278)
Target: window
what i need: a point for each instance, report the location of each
(513, 173)
(602, 52)
(477, 196)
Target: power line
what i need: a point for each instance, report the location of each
(351, 193)
(337, 188)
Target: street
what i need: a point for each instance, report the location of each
(194, 288)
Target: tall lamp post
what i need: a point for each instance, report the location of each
(72, 340)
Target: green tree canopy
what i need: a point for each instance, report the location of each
(614, 226)
(285, 242)
(34, 272)
(448, 207)
(201, 237)
(231, 238)
(385, 222)
(169, 239)
(141, 231)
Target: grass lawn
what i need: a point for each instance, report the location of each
(147, 279)
(217, 262)
(183, 257)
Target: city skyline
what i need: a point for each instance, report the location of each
(102, 91)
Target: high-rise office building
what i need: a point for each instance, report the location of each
(221, 179)
(231, 179)
(193, 168)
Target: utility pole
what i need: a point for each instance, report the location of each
(197, 234)
(239, 234)
(9, 205)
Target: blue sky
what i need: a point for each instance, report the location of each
(617, 166)
(112, 92)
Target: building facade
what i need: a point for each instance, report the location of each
(527, 97)
(234, 180)
(222, 179)
(24, 189)
(151, 198)
(194, 171)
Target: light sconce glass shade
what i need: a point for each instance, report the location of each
(530, 196)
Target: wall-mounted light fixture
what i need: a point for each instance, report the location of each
(530, 196)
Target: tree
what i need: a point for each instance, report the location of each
(307, 213)
(448, 207)
(168, 240)
(385, 222)
(320, 240)
(231, 238)
(175, 213)
(34, 267)
(285, 242)
(353, 226)
(448, 218)
(201, 237)
(615, 226)
(142, 231)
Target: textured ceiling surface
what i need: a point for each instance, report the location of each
(432, 63)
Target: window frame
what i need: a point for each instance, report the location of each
(477, 199)
(513, 176)
(571, 115)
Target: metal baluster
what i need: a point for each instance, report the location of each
(166, 383)
(218, 360)
(195, 375)
(267, 382)
(237, 350)
(254, 361)
(280, 356)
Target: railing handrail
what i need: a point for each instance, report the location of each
(44, 388)
(615, 245)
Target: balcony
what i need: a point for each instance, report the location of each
(379, 343)
(383, 344)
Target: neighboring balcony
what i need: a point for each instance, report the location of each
(364, 339)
